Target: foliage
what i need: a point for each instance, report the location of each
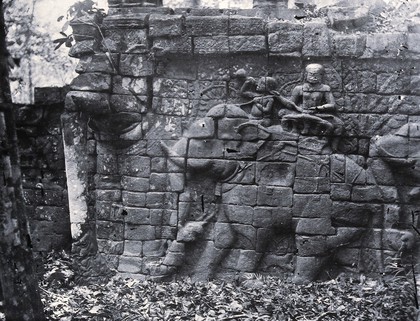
(252, 298)
(76, 11)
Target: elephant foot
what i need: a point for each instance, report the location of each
(308, 268)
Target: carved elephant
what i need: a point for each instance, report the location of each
(247, 184)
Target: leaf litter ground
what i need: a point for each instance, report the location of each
(252, 298)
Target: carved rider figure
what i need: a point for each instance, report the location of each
(313, 95)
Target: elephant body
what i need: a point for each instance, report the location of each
(268, 199)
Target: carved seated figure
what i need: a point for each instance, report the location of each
(265, 99)
(316, 102)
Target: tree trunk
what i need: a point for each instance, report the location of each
(18, 279)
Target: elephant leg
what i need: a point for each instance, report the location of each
(308, 268)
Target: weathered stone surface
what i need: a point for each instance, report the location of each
(240, 25)
(108, 195)
(164, 127)
(316, 40)
(135, 184)
(169, 88)
(171, 106)
(349, 45)
(161, 200)
(128, 85)
(239, 194)
(91, 82)
(106, 164)
(137, 216)
(110, 230)
(311, 185)
(211, 45)
(133, 198)
(136, 65)
(313, 166)
(340, 192)
(354, 214)
(247, 44)
(237, 214)
(275, 196)
(206, 148)
(203, 128)
(139, 232)
(98, 63)
(137, 166)
(130, 264)
(111, 247)
(394, 83)
(269, 217)
(203, 26)
(83, 48)
(275, 174)
(285, 37)
(133, 248)
(128, 103)
(312, 205)
(107, 181)
(315, 226)
(179, 45)
(311, 245)
(88, 102)
(385, 45)
(160, 25)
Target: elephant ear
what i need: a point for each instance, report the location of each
(251, 131)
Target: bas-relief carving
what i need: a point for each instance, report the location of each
(248, 210)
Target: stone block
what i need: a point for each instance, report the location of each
(171, 106)
(153, 248)
(165, 25)
(237, 214)
(285, 37)
(110, 247)
(164, 127)
(313, 166)
(311, 245)
(278, 151)
(394, 83)
(317, 40)
(202, 128)
(137, 166)
(135, 184)
(338, 167)
(341, 192)
(162, 200)
(239, 194)
(384, 45)
(314, 145)
(113, 231)
(391, 215)
(129, 85)
(176, 182)
(354, 214)
(206, 148)
(240, 25)
(139, 232)
(130, 264)
(349, 45)
(108, 195)
(275, 196)
(51, 213)
(99, 62)
(106, 164)
(315, 226)
(133, 198)
(136, 65)
(84, 48)
(247, 44)
(245, 236)
(167, 232)
(178, 67)
(170, 88)
(159, 181)
(207, 26)
(107, 181)
(137, 216)
(415, 85)
(268, 217)
(275, 174)
(226, 128)
(224, 237)
(128, 103)
(173, 46)
(413, 44)
(93, 81)
(308, 205)
(88, 102)
(247, 260)
(211, 45)
(312, 185)
(133, 248)
(366, 194)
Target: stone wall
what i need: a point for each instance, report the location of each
(43, 172)
(171, 177)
